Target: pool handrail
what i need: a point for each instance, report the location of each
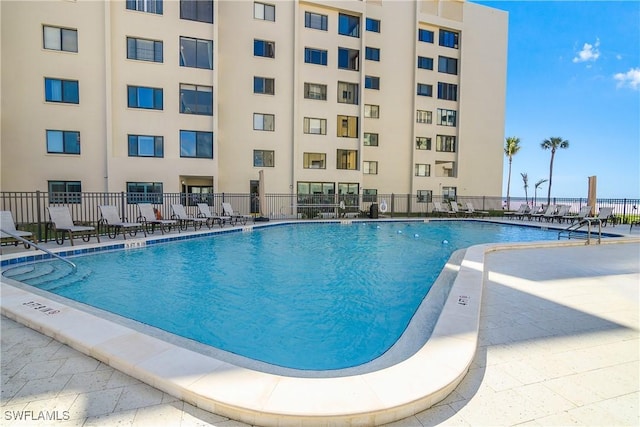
(28, 242)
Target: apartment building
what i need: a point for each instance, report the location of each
(326, 97)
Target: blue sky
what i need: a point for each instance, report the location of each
(574, 72)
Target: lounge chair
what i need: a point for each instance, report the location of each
(520, 213)
(149, 218)
(7, 225)
(533, 211)
(180, 215)
(63, 222)
(584, 211)
(227, 210)
(560, 213)
(604, 216)
(471, 211)
(114, 224)
(211, 218)
(439, 210)
(454, 208)
(548, 213)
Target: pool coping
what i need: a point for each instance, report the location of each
(260, 398)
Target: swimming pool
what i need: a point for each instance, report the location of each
(303, 296)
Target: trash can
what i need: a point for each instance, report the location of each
(373, 211)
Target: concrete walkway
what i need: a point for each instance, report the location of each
(559, 345)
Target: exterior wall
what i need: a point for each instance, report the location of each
(104, 120)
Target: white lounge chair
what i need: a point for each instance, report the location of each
(454, 208)
(149, 218)
(184, 219)
(548, 212)
(211, 218)
(227, 210)
(604, 216)
(560, 213)
(522, 211)
(7, 225)
(114, 224)
(584, 211)
(439, 210)
(471, 211)
(62, 222)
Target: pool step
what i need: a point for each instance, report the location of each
(29, 272)
(47, 276)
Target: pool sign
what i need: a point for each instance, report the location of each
(463, 300)
(41, 307)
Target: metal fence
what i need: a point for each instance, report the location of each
(29, 208)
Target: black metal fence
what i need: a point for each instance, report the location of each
(29, 208)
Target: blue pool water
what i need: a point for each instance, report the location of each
(303, 296)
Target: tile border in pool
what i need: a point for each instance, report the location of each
(379, 397)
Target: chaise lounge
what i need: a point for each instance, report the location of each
(184, 219)
(9, 230)
(114, 224)
(227, 210)
(62, 223)
(211, 218)
(148, 217)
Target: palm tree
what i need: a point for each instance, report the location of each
(511, 147)
(535, 192)
(552, 144)
(525, 181)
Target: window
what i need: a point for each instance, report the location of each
(196, 144)
(315, 91)
(57, 90)
(264, 48)
(64, 39)
(348, 126)
(423, 117)
(348, 59)
(314, 188)
(314, 161)
(449, 193)
(372, 111)
(369, 195)
(63, 142)
(446, 117)
(196, 99)
(348, 93)
(144, 192)
(149, 6)
(447, 65)
(146, 146)
(423, 169)
(423, 143)
(66, 192)
(144, 50)
(197, 10)
(264, 122)
(315, 20)
(348, 188)
(425, 196)
(371, 82)
(449, 39)
(266, 12)
(372, 25)
(445, 169)
(370, 139)
(196, 53)
(315, 56)
(447, 91)
(372, 53)
(315, 126)
(424, 89)
(446, 143)
(264, 158)
(264, 85)
(370, 168)
(347, 159)
(144, 97)
(425, 63)
(348, 25)
(425, 36)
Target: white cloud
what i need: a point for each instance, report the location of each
(631, 79)
(589, 52)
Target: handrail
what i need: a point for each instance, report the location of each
(580, 224)
(29, 242)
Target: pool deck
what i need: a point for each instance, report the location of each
(555, 341)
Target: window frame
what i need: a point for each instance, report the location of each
(349, 88)
(307, 128)
(421, 171)
(423, 143)
(372, 53)
(446, 144)
(66, 146)
(263, 15)
(448, 38)
(322, 87)
(309, 22)
(61, 38)
(439, 165)
(265, 122)
(69, 195)
(448, 91)
(144, 6)
(370, 167)
(372, 82)
(264, 48)
(372, 112)
(201, 92)
(346, 25)
(144, 196)
(426, 61)
(208, 63)
(444, 117)
(350, 131)
(424, 89)
(158, 53)
(424, 116)
(424, 196)
(133, 141)
(65, 97)
(447, 65)
(268, 85)
(372, 25)
(199, 149)
(352, 59)
(426, 36)
(367, 139)
(157, 97)
(315, 56)
(267, 158)
(308, 160)
(199, 13)
(346, 159)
